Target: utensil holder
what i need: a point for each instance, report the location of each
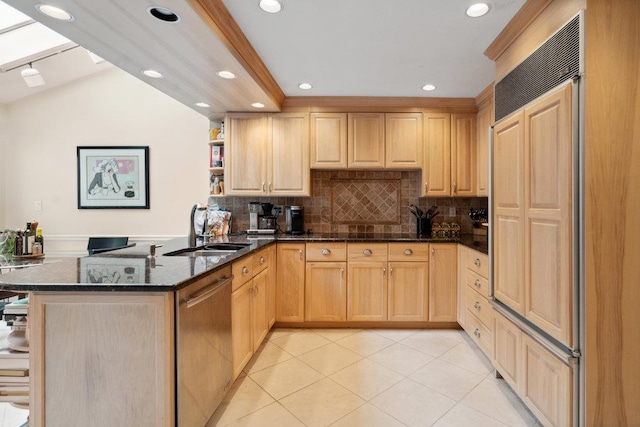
(424, 227)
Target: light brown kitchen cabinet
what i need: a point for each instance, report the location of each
(546, 385)
(507, 354)
(242, 326)
(462, 285)
(532, 213)
(367, 281)
(403, 140)
(366, 140)
(408, 281)
(270, 255)
(484, 119)
(479, 320)
(443, 283)
(267, 154)
(326, 282)
(463, 155)
(290, 282)
(436, 171)
(260, 322)
(450, 155)
(328, 140)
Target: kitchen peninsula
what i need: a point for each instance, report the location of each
(107, 331)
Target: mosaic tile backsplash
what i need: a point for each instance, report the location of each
(360, 202)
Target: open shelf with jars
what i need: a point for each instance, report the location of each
(216, 160)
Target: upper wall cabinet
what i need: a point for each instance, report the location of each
(450, 155)
(267, 154)
(484, 121)
(366, 140)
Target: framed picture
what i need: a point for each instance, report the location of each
(113, 177)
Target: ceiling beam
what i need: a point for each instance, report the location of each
(217, 17)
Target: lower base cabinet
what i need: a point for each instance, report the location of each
(290, 282)
(367, 291)
(325, 292)
(443, 282)
(408, 291)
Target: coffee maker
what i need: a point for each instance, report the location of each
(294, 216)
(263, 218)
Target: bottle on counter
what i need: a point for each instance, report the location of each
(27, 240)
(17, 243)
(40, 239)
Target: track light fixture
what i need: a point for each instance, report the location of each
(32, 76)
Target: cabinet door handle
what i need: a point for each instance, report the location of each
(326, 251)
(263, 188)
(455, 188)
(270, 188)
(255, 291)
(341, 273)
(245, 270)
(207, 292)
(433, 252)
(300, 253)
(384, 273)
(477, 306)
(408, 252)
(391, 273)
(477, 332)
(367, 252)
(477, 283)
(261, 260)
(426, 186)
(477, 262)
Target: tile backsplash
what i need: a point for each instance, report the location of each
(360, 201)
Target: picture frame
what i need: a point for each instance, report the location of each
(113, 177)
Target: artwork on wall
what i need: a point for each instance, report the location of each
(113, 177)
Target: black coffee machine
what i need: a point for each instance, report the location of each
(294, 216)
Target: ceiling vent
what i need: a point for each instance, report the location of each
(556, 61)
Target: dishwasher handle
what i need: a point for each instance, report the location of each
(207, 292)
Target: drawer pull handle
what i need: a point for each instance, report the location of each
(245, 270)
(477, 332)
(261, 260)
(477, 283)
(326, 252)
(408, 252)
(477, 262)
(367, 252)
(477, 306)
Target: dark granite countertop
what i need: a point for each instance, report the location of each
(132, 270)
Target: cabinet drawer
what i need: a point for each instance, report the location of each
(367, 251)
(408, 251)
(478, 262)
(242, 271)
(326, 252)
(479, 334)
(478, 283)
(479, 306)
(261, 260)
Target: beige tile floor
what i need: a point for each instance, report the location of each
(351, 378)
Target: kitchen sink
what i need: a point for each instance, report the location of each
(212, 249)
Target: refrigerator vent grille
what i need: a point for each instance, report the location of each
(553, 63)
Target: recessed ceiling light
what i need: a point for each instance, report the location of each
(477, 10)
(226, 75)
(153, 74)
(163, 14)
(54, 12)
(202, 104)
(429, 87)
(257, 105)
(271, 6)
(305, 86)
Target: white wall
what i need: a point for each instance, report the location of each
(3, 165)
(107, 108)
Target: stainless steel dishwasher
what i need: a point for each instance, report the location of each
(203, 341)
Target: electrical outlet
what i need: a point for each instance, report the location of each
(452, 211)
(38, 205)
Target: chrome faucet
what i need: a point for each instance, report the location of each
(192, 226)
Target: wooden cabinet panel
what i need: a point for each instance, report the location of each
(462, 284)
(367, 252)
(241, 327)
(290, 282)
(326, 291)
(260, 323)
(327, 251)
(367, 290)
(507, 350)
(271, 285)
(463, 155)
(443, 283)
(288, 171)
(483, 122)
(242, 271)
(436, 172)
(546, 385)
(408, 291)
(478, 263)
(480, 334)
(328, 140)
(508, 217)
(480, 307)
(403, 140)
(548, 253)
(476, 282)
(366, 140)
(246, 154)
